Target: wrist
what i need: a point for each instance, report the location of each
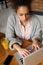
(16, 46)
(35, 40)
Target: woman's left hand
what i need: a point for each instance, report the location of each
(36, 45)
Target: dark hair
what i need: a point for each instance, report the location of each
(16, 3)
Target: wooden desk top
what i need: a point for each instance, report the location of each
(9, 52)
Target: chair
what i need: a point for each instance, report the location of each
(1, 2)
(3, 41)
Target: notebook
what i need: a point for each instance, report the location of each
(34, 58)
(19, 58)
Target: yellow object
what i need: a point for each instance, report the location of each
(5, 43)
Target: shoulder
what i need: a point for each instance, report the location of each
(12, 18)
(12, 15)
(35, 19)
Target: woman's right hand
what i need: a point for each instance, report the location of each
(24, 52)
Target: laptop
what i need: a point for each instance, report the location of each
(34, 58)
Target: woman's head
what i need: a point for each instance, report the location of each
(22, 8)
(18, 3)
(23, 13)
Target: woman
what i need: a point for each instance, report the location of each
(21, 24)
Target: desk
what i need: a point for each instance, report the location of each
(9, 52)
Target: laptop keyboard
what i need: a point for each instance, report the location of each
(30, 48)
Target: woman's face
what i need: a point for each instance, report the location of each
(23, 13)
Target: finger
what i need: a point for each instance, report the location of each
(33, 47)
(27, 51)
(24, 55)
(38, 47)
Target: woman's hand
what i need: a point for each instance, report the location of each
(24, 52)
(36, 45)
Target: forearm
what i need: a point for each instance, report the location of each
(25, 43)
(16, 46)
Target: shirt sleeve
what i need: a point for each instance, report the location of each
(38, 31)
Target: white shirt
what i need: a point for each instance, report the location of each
(26, 31)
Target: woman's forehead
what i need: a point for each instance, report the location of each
(22, 9)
